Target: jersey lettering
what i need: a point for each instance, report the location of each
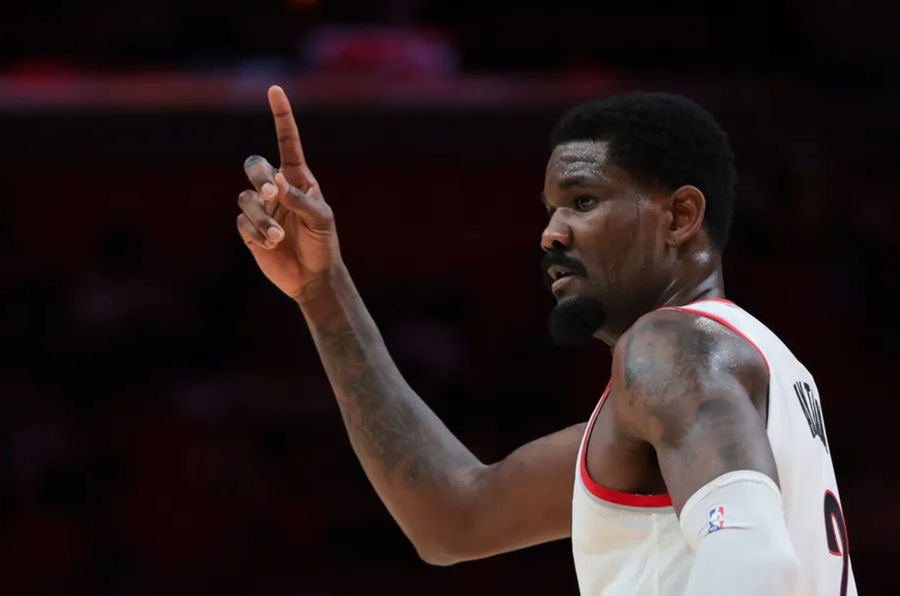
(837, 540)
(811, 410)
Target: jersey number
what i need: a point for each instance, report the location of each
(835, 517)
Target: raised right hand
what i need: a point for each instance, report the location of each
(285, 221)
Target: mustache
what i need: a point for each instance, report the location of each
(559, 257)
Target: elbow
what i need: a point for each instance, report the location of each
(448, 547)
(441, 552)
(454, 535)
(437, 557)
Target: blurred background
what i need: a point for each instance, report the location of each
(166, 425)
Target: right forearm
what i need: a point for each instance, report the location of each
(419, 469)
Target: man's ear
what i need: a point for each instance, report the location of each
(687, 206)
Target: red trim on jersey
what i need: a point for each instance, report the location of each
(608, 494)
(725, 300)
(631, 499)
(846, 536)
(722, 321)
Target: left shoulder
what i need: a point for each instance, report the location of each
(671, 363)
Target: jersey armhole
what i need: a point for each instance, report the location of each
(608, 495)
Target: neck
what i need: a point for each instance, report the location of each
(709, 285)
(700, 281)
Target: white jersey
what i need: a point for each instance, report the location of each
(632, 544)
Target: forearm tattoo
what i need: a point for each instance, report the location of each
(387, 422)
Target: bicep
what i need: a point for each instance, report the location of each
(721, 433)
(689, 391)
(526, 498)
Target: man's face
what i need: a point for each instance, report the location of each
(604, 243)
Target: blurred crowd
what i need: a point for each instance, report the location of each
(167, 427)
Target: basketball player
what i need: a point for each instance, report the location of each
(705, 467)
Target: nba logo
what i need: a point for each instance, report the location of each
(716, 518)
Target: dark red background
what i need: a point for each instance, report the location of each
(167, 427)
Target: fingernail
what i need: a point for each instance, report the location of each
(275, 234)
(268, 190)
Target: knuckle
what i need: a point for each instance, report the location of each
(265, 222)
(245, 198)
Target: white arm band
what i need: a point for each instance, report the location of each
(736, 525)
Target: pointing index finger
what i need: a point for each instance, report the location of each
(288, 136)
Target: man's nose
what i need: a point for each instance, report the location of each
(556, 236)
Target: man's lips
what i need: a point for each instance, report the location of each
(562, 283)
(557, 271)
(557, 265)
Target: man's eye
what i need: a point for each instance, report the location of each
(583, 203)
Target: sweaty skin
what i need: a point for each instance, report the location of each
(686, 399)
(643, 248)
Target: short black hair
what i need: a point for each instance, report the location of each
(662, 139)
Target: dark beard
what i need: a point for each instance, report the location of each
(575, 320)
